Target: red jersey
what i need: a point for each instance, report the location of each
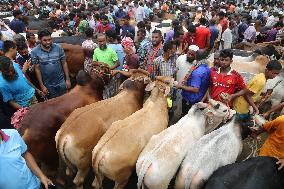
(228, 83)
(190, 40)
(202, 35)
(224, 23)
(187, 39)
(103, 28)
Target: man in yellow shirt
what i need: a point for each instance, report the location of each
(274, 144)
(255, 87)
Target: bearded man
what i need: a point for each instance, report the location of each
(50, 66)
(183, 64)
(105, 54)
(185, 61)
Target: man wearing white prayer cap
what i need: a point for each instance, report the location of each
(183, 64)
(196, 80)
(184, 61)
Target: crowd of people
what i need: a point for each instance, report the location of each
(123, 36)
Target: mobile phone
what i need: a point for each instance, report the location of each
(50, 186)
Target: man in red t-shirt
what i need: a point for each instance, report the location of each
(226, 84)
(104, 25)
(202, 35)
(223, 21)
(188, 39)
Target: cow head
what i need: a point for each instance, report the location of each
(99, 75)
(163, 83)
(138, 79)
(215, 113)
(249, 124)
(140, 75)
(271, 51)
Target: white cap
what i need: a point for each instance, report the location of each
(193, 48)
(280, 12)
(199, 9)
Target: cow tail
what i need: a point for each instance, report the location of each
(188, 178)
(60, 146)
(102, 142)
(144, 167)
(148, 160)
(95, 160)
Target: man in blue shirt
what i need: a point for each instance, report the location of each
(18, 168)
(50, 66)
(214, 32)
(117, 47)
(120, 13)
(23, 57)
(16, 24)
(14, 86)
(195, 83)
(127, 30)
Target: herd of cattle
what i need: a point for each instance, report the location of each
(114, 137)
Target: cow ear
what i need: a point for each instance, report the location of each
(232, 113)
(150, 86)
(167, 90)
(201, 105)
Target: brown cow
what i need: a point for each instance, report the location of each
(261, 48)
(85, 126)
(40, 124)
(74, 57)
(116, 153)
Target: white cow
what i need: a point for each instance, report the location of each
(218, 148)
(160, 159)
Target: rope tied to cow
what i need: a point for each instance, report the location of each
(100, 73)
(253, 143)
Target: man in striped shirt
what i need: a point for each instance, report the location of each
(165, 65)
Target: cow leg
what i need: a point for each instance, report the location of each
(121, 182)
(98, 181)
(69, 172)
(180, 179)
(120, 185)
(197, 180)
(80, 176)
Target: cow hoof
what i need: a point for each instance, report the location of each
(95, 184)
